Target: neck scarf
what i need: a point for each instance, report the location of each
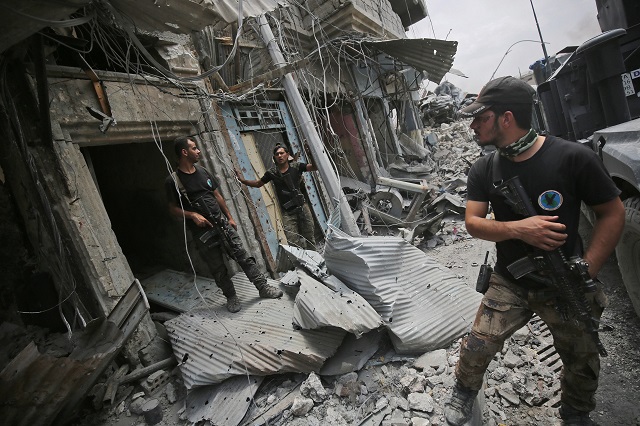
(518, 147)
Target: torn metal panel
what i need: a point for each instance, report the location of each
(38, 388)
(223, 404)
(423, 304)
(435, 57)
(258, 340)
(353, 354)
(332, 304)
(184, 16)
(289, 257)
(21, 18)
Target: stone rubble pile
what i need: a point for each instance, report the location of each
(413, 392)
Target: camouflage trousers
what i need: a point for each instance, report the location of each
(506, 308)
(299, 228)
(213, 253)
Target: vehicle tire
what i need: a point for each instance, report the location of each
(628, 251)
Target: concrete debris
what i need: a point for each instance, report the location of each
(312, 388)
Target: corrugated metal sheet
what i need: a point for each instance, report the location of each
(318, 306)
(258, 340)
(223, 404)
(180, 292)
(353, 353)
(184, 16)
(423, 304)
(435, 57)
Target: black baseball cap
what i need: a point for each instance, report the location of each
(500, 91)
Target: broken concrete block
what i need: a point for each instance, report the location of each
(155, 382)
(172, 394)
(420, 402)
(397, 419)
(512, 360)
(381, 403)
(301, 406)
(433, 359)
(312, 388)
(419, 421)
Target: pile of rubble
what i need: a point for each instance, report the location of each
(389, 389)
(368, 333)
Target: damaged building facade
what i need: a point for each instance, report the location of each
(94, 92)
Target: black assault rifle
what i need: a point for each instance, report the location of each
(570, 278)
(219, 233)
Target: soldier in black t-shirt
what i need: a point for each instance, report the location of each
(192, 193)
(286, 177)
(557, 176)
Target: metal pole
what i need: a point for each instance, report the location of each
(320, 156)
(544, 49)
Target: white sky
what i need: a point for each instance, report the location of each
(485, 29)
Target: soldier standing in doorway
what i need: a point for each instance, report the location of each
(193, 195)
(286, 177)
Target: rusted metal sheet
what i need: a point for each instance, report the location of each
(223, 404)
(423, 304)
(424, 54)
(332, 304)
(36, 389)
(258, 340)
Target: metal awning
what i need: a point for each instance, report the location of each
(434, 57)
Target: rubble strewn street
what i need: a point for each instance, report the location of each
(387, 388)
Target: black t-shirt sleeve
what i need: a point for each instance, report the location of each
(478, 182)
(171, 190)
(267, 177)
(302, 167)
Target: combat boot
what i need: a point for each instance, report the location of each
(458, 409)
(572, 417)
(233, 304)
(269, 292)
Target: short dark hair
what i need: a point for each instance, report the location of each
(180, 143)
(277, 147)
(522, 113)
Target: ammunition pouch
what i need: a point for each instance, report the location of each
(212, 237)
(297, 200)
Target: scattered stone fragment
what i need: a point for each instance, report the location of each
(420, 402)
(301, 406)
(312, 388)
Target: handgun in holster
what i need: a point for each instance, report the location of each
(482, 285)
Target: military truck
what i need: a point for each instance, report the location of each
(594, 98)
